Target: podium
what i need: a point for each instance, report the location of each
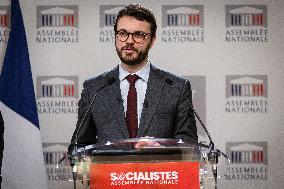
(142, 163)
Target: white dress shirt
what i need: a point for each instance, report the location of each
(140, 85)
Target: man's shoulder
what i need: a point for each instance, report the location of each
(103, 77)
(169, 75)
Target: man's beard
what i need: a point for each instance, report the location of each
(141, 56)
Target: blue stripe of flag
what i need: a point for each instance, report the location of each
(16, 83)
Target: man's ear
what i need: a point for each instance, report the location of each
(153, 40)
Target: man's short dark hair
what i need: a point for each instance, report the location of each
(140, 13)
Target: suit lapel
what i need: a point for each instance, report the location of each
(115, 102)
(154, 91)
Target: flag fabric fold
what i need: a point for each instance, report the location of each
(23, 164)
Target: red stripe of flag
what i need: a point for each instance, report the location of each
(72, 90)
(198, 20)
(65, 90)
(6, 20)
(65, 20)
(261, 157)
(72, 18)
(257, 19)
(254, 157)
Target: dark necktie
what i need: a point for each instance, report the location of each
(131, 113)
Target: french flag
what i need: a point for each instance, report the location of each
(23, 163)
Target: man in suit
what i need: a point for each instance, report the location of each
(150, 102)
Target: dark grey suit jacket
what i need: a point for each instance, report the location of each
(165, 114)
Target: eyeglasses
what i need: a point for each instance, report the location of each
(138, 36)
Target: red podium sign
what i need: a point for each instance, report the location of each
(164, 175)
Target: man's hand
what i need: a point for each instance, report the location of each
(147, 143)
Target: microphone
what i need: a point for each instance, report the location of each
(212, 155)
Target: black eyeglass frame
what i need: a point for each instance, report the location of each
(133, 36)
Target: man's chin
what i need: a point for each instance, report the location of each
(131, 62)
(132, 59)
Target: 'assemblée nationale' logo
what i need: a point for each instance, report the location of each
(246, 94)
(53, 152)
(246, 23)
(5, 20)
(249, 161)
(108, 14)
(182, 23)
(57, 94)
(57, 24)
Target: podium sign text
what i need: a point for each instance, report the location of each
(165, 175)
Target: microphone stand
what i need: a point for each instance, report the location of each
(74, 172)
(72, 163)
(213, 154)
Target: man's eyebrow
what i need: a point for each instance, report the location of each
(137, 31)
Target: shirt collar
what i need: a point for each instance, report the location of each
(143, 73)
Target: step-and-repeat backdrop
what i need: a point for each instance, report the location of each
(232, 51)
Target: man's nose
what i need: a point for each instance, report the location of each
(130, 38)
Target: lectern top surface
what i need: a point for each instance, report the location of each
(139, 146)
